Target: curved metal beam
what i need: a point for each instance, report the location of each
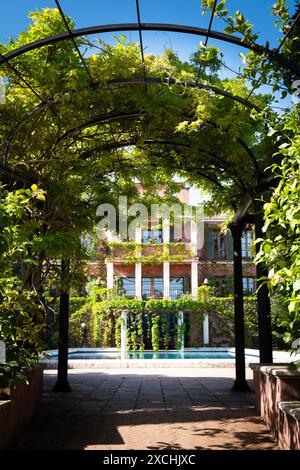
(99, 120)
(242, 143)
(9, 174)
(217, 158)
(110, 118)
(205, 176)
(251, 155)
(123, 81)
(111, 28)
(115, 117)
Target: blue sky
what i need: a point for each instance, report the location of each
(14, 19)
(89, 12)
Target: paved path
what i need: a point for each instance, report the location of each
(147, 409)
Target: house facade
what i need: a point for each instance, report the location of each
(159, 265)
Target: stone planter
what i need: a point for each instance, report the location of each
(23, 403)
(277, 391)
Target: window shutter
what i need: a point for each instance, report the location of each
(229, 245)
(186, 285)
(171, 234)
(209, 243)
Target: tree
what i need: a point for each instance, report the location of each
(280, 251)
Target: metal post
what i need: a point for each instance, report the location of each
(123, 335)
(206, 330)
(62, 384)
(180, 322)
(263, 300)
(240, 383)
(138, 266)
(205, 324)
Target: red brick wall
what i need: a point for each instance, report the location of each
(205, 270)
(154, 270)
(269, 391)
(24, 403)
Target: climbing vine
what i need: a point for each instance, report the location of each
(155, 332)
(148, 253)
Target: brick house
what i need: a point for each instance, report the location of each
(208, 257)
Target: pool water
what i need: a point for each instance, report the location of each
(223, 354)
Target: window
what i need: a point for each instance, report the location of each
(152, 236)
(176, 287)
(152, 287)
(146, 287)
(223, 284)
(248, 285)
(247, 242)
(219, 245)
(127, 287)
(158, 287)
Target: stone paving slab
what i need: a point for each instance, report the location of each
(147, 409)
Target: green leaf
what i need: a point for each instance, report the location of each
(210, 3)
(228, 30)
(292, 306)
(272, 132)
(220, 6)
(287, 337)
(296, 285)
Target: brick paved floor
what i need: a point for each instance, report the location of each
(147, 409)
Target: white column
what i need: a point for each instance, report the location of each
(110, 274)
(166, 230)
(166, 275)
(194, 265)
(123, 335)
(180, 322)
(166, 264)
(206, 330)
(138, 280)
(194, 237)
(138, 266)
(194, 278)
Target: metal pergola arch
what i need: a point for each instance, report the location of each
(109, 118)
(104, 119)
(117, 117)
(217, 158)
(114, 28)
(230, 170)
(240, 383)
(123, 81)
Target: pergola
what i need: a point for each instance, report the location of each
(242, 216)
